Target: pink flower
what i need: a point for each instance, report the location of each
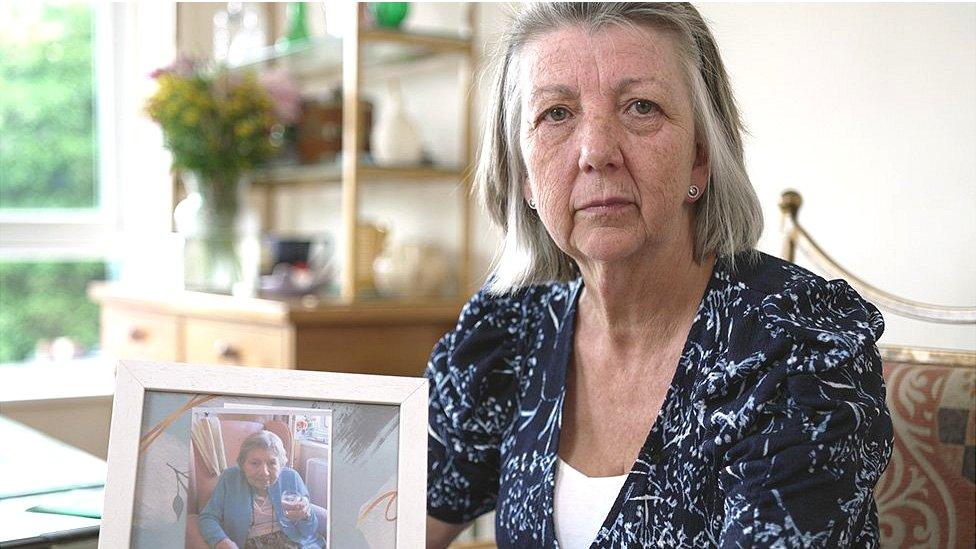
(224, 83)
(287, 100)
(182, 66)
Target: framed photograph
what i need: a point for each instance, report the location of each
(201, 455)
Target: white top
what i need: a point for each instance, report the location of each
(582, 504)
(262, 517)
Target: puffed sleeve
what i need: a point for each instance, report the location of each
(804, 474)
(473, 378)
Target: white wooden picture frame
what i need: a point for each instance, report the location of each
(137, 380)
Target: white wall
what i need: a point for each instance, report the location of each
(143, 250)
(869, 111)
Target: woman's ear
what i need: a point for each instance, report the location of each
(527, 191)
(700, 174)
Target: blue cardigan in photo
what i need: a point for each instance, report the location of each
(228, 513)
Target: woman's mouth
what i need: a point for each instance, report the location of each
(605, 205)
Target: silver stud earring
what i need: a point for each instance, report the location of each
(532, 203)
(693, 191)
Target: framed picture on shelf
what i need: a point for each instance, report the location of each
(201, 455)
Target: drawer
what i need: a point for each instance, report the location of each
(220, 342)
(404, 351)
(140, 335)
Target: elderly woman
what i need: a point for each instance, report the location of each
(247, 510)
(635, 374)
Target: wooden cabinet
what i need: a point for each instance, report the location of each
(221, 342)
(139, 333)
(387, 338)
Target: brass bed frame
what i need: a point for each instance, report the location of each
(926, 496)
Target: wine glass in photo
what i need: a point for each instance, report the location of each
(293, 502)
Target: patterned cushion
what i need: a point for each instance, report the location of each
(926, 496)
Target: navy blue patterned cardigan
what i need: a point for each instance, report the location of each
(773, 433)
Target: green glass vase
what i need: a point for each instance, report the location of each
(389, 15)
(297, 26)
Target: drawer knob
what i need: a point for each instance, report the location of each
(225, 350)
(137, 334)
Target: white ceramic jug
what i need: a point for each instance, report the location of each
(395, 139)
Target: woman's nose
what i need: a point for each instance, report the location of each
(599, 146)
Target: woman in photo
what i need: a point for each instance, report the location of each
(260, 503)
(635, 373)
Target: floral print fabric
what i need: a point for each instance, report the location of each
(773, 433)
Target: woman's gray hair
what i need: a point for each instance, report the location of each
(728, 215)
(263, 440)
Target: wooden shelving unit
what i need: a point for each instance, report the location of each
(360, 56)
(331, 172)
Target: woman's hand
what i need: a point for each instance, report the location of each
(226, 543)
(297, 512)
(440, 534)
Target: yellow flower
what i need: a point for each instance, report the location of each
(191, 117)
(243, 129)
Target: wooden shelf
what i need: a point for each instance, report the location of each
(331, 172)
(382, 51)
(323, 49)
(292, 174)
(433, 43)
(415, 173)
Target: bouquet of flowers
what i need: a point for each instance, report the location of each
(220, 123)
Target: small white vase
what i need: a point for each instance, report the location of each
(413, 270)
(395, 139)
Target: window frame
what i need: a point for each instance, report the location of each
(134, 214)
(132, 169)
(79, 233)
(71, 233)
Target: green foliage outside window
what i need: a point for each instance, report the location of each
(47, 137)
(45, 300)
(47, 160)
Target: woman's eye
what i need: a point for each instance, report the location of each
(557, 114)
(643, 107)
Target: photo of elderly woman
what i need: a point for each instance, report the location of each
(271, 492)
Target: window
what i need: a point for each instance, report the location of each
(47, 107)
(54, 219)
(44, 311)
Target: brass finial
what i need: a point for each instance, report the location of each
(790, 202)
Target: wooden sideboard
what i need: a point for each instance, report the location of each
(388, 338)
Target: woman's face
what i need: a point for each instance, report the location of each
(608, 138)
(261, 468)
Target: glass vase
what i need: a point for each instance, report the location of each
(221, 252)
